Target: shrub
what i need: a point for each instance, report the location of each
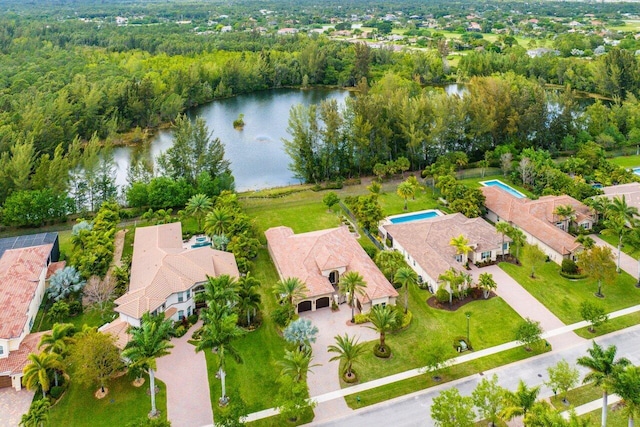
(406, 320)
(442, 296)
(569, 266)
(361, 318)
(282, 315)
(371, 251)
(56, 392)
(192, 319)
(383, 352)
(75, 308)
(180, 331)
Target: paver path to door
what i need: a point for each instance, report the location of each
(526, 305)
(324, 378)
(185, 374)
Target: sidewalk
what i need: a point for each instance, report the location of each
(455, 361)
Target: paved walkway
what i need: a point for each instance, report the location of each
(324, 378)
(13, 404)
(527, 306)
(627, 263)
(185, 373)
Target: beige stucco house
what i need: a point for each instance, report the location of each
(425, 244)
(319, 259)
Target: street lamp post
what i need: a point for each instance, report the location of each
(468, 314)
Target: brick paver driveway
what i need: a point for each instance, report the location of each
(13, 404)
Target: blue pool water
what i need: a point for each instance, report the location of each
(636, 170)
(414, 217)
(505, 187)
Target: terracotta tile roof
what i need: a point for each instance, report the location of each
(120, 330)
(55, 266)
(536, 217)
(631, 193)
(161, 266)
(17, 359)
(427, 241)
(306, 255)
(20, 270)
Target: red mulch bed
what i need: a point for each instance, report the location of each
(474, 294)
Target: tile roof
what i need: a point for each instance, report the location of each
(631, 193)
(427, 241)
(306, 255)
(119, 329)
(17, 359)
(161, 266)
(20, 271)
(537, 217)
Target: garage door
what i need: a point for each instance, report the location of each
(304, 306)
(5, 381)
(322, 302)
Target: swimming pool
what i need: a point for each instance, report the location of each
(505, 187)
(636, 170)
(415, 216)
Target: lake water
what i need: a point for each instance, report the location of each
(256, 153)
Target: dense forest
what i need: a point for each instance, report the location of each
(74, 81)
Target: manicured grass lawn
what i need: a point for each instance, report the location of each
(613, 241)
(64, 240)
(563, 296)
(124, 404)
(410, 348)
(89, 317)
(626, 161)
(577, 396)
(612, 325)
(615, 418)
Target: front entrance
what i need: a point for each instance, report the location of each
(304, 306)
(322, 302)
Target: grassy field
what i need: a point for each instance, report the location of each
(626, 161)
(613, 241)
(615, 418)
(90, 317)
(611, 326)
(563, 296)
(124, 404)
(578, 396)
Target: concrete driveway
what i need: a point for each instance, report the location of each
(324, 378)
(13, 404)
(526, 305)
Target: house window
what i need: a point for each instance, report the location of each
(180, 314)
(1, 350)
(30, 323)
(486, 255)
(180, 296)
(189, 311)
(189, 294)
(505, 246)
(459, 257)
(585, 225)
(560, 225)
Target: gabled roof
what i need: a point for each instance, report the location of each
(17, 359)
(427, 241)
(306, 255)
(537, 217)
(631, 193)
(161, 267)
(20, 271)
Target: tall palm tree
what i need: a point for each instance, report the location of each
(586, 241)
(520, 402)
(249, 298)
(219, 330)
(57, 342)
(503, 228)
(518, 238)
(486, 283)
(626, 384)
(601, 205)
(415, 184)
(461, 244)
(565, 213)
(352, 283)
(222, 289)
(36, 373)
(290, 289)
(148, 342)
(38, 414)
(348, 350)
(453, 279)
(619, 207)
(603, 365)
(405, 190)
(615, 225)
(383, 319)
(406, 277)
(217, 221)
(297, 364)
(198, 206)
(633, 239)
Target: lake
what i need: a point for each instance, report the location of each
(256, 153)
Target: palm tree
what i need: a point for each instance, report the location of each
(219, 330)
(383, 319)
(461, 244)
(352, 283)
(603, 365)
(565, 212)
(222, 289)
(297, 364)
(415, 184)
(519, 402)
(486, 283)
(586, 241)
(453, 280)
(349, 350)
(503, 228)
(198, 205)
(633, 239)
(290, 289)
(405, 190)
(626, 384)
(249, 298)
(405, 276)
(57, 342)
(38, 414)
(217, 221)
(601, 205)
(148, 342)
(616, 226)
(518, 238)
(619, 207)
(36, 373)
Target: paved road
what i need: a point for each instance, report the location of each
(414, 409)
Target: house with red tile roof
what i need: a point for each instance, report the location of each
(539, 221)
(165, 276)
(630, 192)
(24, 270)
(319, 259)
(425, 244)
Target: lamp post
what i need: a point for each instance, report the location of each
(468, 314)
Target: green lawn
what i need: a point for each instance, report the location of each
(124, 404)
(64, 240)
(613, 241)
(612, 325)
(626, 161)
(410, 348)
(577, 396)
(90, 317)
(563, 296)
(615, 418)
